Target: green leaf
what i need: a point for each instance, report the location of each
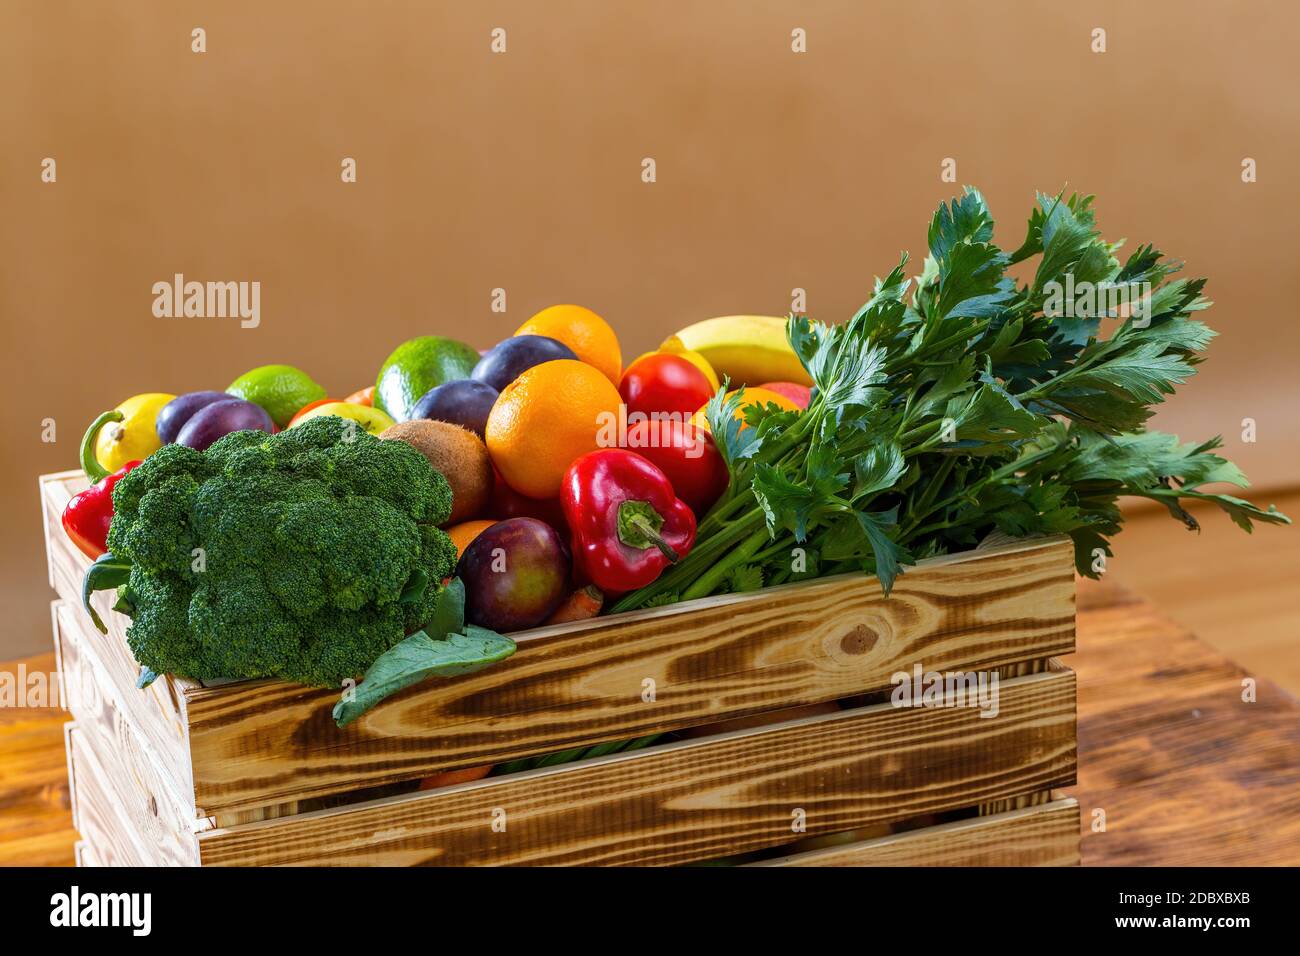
(419, 657)
(449, 611)
(966, 220)
(876, 526)
(878, 469)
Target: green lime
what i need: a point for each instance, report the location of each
(280, 389)
(417, 366)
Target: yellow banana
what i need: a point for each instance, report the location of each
(748, 349)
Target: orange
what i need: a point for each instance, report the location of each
(462, 534)
(753, 396)
(582, 330)
(547, 417)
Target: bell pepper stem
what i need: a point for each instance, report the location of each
(89, 463)
(638, 527)
(643, 525)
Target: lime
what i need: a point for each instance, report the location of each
(417, 366)
(280, 389)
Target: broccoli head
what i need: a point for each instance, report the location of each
(301, 556)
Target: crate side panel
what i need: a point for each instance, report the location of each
(106, 832)
(1042, 835)
(702, 799)
(260, 743)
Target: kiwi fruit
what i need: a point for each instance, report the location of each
(459, 455)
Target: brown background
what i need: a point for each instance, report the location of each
(522, 171)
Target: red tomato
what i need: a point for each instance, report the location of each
(687, 455)
(663, 382)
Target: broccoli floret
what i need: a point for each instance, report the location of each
(281, 556)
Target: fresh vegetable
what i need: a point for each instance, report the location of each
(547, 417)
(458, 455)
(218, 419)
(747, 349)
(582, 604)
(510, 358)
(416, 366)
(673, 346)
(592, 338)
(663, 382)
(687, 455)
(133, 436)
(450, 648)
(87, 516)
(971, 406)
(449, 778)
(745, 398)
(464, 402)
(516, 573)
(627, 523)
(280, 389)
(301, 556)
(173, 416)
(371, 419)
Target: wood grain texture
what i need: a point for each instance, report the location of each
(1043, 835)
(700, 799)
(1186, 772)
(157, 811)
(99, 819)
(35, 822)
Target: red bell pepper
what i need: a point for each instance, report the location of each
(627, 523)
(88, 515)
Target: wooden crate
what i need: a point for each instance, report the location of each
(255, 772)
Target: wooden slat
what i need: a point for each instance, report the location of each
(99, 820)
(258, 743)
(162, 816)
(699, 799)
(1043, 835)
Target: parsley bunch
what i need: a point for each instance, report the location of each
(972, 405)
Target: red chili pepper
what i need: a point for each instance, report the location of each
(627, 523)
(88, 515)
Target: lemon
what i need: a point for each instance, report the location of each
(280, 389)
(135, 436)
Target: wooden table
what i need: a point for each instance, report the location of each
(1185, 771)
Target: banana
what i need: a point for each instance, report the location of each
(748, 349)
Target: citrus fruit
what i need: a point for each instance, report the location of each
(371, 419)
(465, 532)
(582, 330)
(547, 417)
(280, 389)
(753, 396)
(416, 366)
(135, 436)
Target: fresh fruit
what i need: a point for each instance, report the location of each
(220, 419)
(280, 389)
(747, 349)
(297, 416)
(416, 366)
(173, 416)
(801, 395)
(544, 419)
(371, 419)
(508, 503)
(582, 604)
(516, 573)
(135, 436)
(463, 402)
(582, 330)
(663, 382)
(752, 396)
(510, 358)
(456, 453)
(687, 455)
(673, 346)
(450, 777)
(462, 534)
(762, 720)
(362, 396)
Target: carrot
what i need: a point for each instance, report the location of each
(578, 606)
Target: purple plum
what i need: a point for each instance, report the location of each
(464, 402)
(510, 358)
(173, 416)
(516, 573)
(220, 419)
